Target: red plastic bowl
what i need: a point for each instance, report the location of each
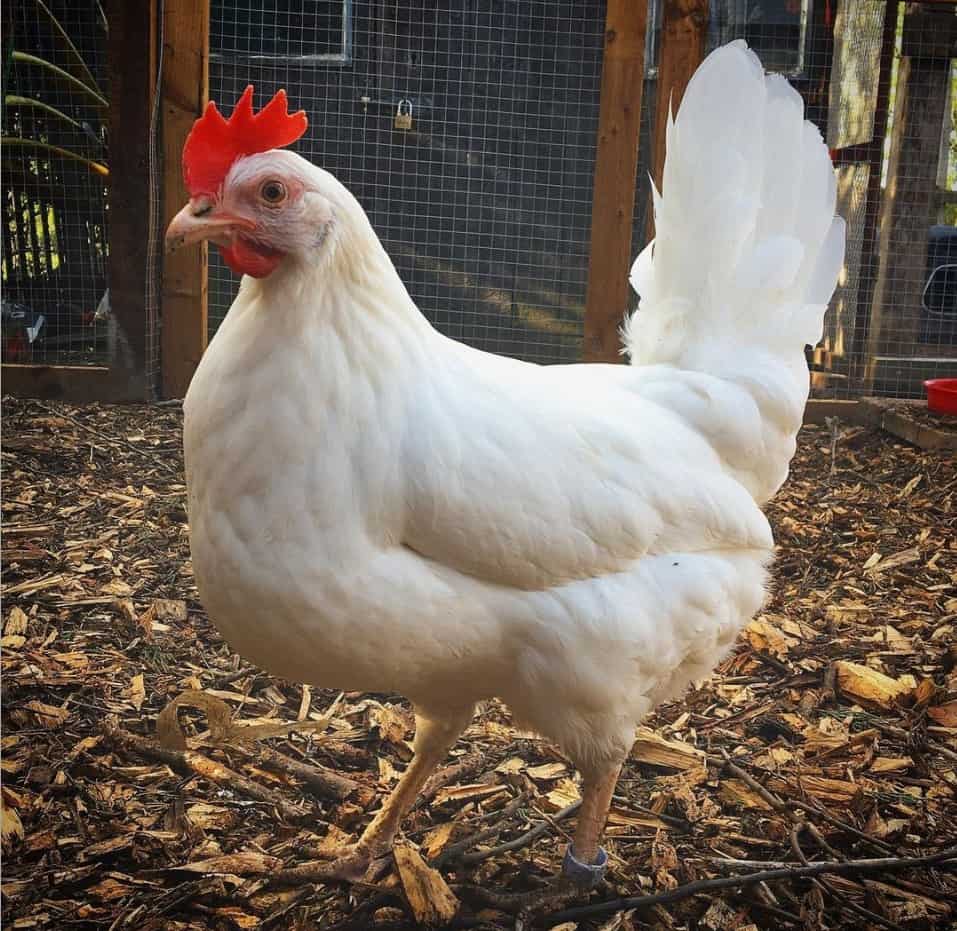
(942, 395)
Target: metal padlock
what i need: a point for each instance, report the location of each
(403, 114)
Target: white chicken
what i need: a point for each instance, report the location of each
(376, 507)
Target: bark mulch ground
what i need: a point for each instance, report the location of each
(792, 790)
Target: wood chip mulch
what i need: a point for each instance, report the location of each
(830, 734)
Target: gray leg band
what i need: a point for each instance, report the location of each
(584, 874)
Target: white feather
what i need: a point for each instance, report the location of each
(747, 248)
(373, 506)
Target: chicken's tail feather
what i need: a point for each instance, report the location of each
(747, 249)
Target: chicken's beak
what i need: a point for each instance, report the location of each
(200, 219)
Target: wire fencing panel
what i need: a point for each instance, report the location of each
(55, 184)
(911, 330)
(484, 200)
(890, 126)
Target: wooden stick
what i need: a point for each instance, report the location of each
(805, 805)
(523, 840)
(191, 762)
(454, 851)
(846, 868)
(347, 754)
(466, 767)
(322, 782)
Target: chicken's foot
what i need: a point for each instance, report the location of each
(362, 861)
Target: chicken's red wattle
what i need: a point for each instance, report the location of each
(244, 258)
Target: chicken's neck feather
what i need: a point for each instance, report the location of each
(347, 307)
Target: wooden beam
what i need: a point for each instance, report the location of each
(907, 205)
(616, 163)
(684, 29)
(872, 202)
(903, 419)
(184, 94)
(78, 384)
(819, 410)
(131, 54)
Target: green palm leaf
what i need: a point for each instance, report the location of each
(13, 100)
(26, 58)
(16, 142)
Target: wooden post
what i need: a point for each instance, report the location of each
(184, 94)
(929, 41)
(616, 162)
(873, 153)
(684, 29)
(132, 57)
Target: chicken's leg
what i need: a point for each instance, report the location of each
(585, 860)
(434, 737)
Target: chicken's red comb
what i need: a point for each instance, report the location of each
(214, 143)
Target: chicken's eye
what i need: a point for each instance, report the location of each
(273, 192)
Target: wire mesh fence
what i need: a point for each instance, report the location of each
(484, 202)
(468, 133)
(55, 305)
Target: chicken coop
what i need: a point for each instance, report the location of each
(501, 149)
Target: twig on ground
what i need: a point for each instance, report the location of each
(323, 782)
(468, 766)
(454, 851)
(846, 868)
(523, 840)
(808, 805)
(752, 783)
(520, 903)
(804, 805)
(346, 754)
(232, 677)
(834, 425)
(679, 824)
(775, 910)
(798, 826)
(191, 762)
(843, 901)
(148, 454)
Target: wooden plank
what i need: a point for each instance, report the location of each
(78, 384)
(872, 208)
(132, 60)
(616, 163)
(896, 416)
(819, 409)
(184, 94)
(906, 208)
(684, 28)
